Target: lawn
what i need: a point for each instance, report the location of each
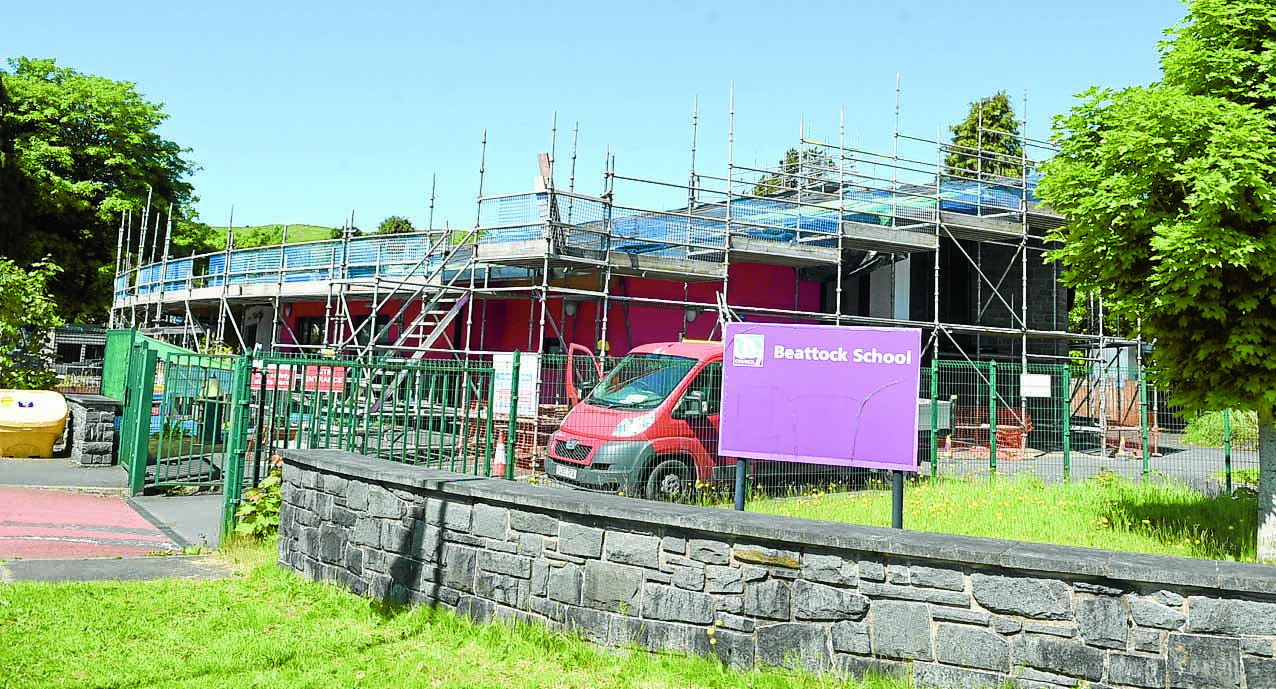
(266, 235)
(265, 627)
(1104, 512)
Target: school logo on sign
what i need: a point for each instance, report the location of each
(748, 350)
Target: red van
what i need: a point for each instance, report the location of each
(650, 427)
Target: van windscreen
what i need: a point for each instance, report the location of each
(641, 381)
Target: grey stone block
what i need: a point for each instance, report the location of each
(332, 541)
(1257, 647)
(395, 537)
(1138, 671)
(822, 602)
(689, 578)
(502, 588)
(450, 514)
(1232, 617)
(581, 541)
(898, 575)
(505, 563)
(534, 522)
(731, 604)
(658, 578)
(540, 577)
(852, 637)
(1097, 589)
(1045, 599)
(936, 578)
(971, 647)
(384, 504)
(490, 522)
(872, 571)
(1170, 598)
(343, 517)
(1006, 625)
(498, 546)
(767, 599)
(564, 584)
(935, 676)
(1146, 640)
(357, 496)
(1104, 622)
(829, 569)
(958, 599)
(901, 630)
(550, 610)
(859, 666)
(591, 624)
(673, 604)
(1148, 612)
(749, 573)
(709, 552)
(674, 544)
(734, 649)
(650, 634)
(1066, 657)
(724, 579)
(632, 549)
(530, 544)
(1260, 672)
(797, 646)
(611, 587)
(941, 613)
(1203, 662)
(726, 620)
(459, 566)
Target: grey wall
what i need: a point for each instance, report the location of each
(92, 429)
(754, 589)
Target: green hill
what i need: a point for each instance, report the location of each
(265, 235)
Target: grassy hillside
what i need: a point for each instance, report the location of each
(264, 235)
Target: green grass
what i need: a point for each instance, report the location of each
(1207, 429)
(265, 235)
(265, 627)
(1105, 512)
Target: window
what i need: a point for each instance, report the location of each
(309, 331)
(709, 382)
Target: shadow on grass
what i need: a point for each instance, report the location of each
(1218, 527)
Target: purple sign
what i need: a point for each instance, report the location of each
(821, 394)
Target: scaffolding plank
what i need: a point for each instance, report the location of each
(871, 237)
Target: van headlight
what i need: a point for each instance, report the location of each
(634, 425)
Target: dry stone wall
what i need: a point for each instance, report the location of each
(760, 590)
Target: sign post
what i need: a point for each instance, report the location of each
(832, 395)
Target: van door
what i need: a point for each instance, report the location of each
(705, 429)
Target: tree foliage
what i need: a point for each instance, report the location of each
(804, 168)
(988, 142)
(395, 224)
(1168, 193)
(76, 152)
(27, 315)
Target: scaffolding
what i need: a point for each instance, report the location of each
(899, 238)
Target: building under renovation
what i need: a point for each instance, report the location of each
(839, 235)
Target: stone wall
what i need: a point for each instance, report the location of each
(91, 435)
(755, 589)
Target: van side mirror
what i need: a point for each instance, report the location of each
(692, 406)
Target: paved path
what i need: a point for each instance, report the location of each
(37, 523)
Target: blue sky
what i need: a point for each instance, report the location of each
(300, 112)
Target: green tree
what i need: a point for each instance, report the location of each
(27, 315)
(77, 151)
(988, 142)
(395, 224)
(1169, 193)
(798, 169)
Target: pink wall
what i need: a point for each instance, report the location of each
(502, 324)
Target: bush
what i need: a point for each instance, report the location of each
(27, 315)
(258, 513)
(1206, 430)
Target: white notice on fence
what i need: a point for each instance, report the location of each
(529, 375)
(1030, 385)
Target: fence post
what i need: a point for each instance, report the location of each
(934, 418)
(489, 431)
(1227, 449)
(1143, 423)
(1067, 423)
(144, 391)
(236, 444)
(992, 418)
(511, 437)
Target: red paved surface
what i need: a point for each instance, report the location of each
(38, 523)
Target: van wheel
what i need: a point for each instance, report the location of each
(671, 480)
